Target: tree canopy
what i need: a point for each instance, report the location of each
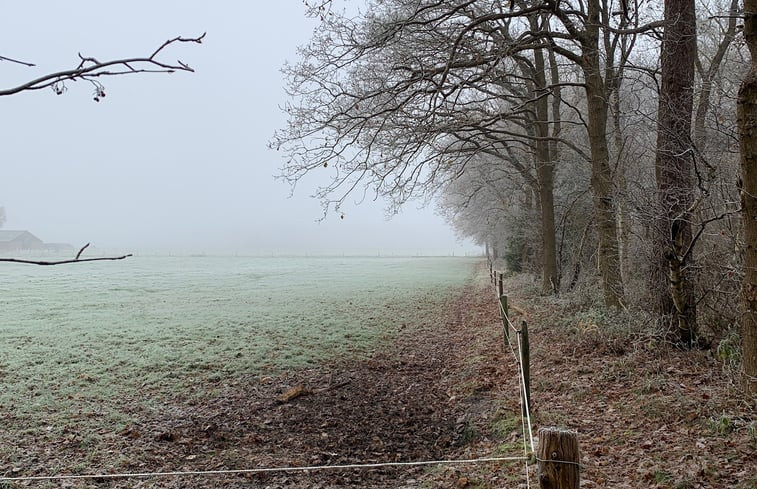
(592, 140)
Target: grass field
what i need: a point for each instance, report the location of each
(76, 341)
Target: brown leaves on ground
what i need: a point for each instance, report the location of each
(646, 415)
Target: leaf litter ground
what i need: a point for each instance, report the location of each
(443, 388)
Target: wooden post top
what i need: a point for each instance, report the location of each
(558, 459)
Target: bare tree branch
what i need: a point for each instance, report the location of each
(63, 262)
(90, 68)
(5, 58)
(81, 251)
(78, 259)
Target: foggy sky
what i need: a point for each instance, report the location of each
(171, 162)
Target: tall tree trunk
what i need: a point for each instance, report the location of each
(747, 120)
(556, 126)
(620, 184)
(674, 161)
(601, 174)
(545, 170)
(545, 174)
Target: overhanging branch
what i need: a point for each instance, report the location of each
(78, 259)
(90, 68)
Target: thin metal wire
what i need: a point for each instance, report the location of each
(258, 470)
(515, 355)
(569, 462)
(519, 360)
(506, 316)
(524, 407)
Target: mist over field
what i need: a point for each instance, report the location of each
(155, 325)
(378, 243)
(176, 162)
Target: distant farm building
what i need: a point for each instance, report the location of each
(19, 241)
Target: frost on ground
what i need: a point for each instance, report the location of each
(442, 387)
(82, 338)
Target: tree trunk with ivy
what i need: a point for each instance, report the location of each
(674, 164)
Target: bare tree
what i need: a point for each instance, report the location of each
(545, 152)
(590, 36)
(709, 69)
(491, 203)
(400, 101)
(718, 262)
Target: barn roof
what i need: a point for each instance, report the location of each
(7, 235)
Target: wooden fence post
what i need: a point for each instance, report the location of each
(500, 284)
(558, 459)
(505, 313)
(526, 351)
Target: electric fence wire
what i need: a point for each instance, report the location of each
(310, 468)
(525, 416)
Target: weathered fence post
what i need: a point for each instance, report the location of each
(505, 313)
(558, 459)
(500, 284)
(526, 352)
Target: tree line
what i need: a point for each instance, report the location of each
(607, 142)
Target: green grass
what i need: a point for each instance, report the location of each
(505, 422)
(78, 341)
(721, 425)
(661, 477)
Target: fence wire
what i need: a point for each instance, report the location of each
(259, 470)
